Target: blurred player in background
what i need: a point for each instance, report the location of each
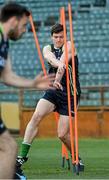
(13, 21)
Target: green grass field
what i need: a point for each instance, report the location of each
(45, 160)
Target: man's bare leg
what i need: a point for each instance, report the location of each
(64, 136)
(63, 131)
(8, 152)
(43, 108)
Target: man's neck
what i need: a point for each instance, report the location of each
(57, 47)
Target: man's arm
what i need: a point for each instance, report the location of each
(40, 82)
(61, 70)
(50, 57)
(62, 59)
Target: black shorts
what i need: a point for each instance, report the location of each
(59, 99)
(2, 127)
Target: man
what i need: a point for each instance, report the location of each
(53, 100)
(13, 21)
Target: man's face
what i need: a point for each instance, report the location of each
(18, 29)
(58, 39)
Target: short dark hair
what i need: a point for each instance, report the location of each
(13, 9)
(56, 28)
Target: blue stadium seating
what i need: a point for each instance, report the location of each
(91, 29)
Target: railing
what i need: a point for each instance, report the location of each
(85, 96)
(102, 99)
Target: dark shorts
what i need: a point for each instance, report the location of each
(59, 99)
(2, 127)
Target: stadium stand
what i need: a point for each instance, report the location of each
(90, 24)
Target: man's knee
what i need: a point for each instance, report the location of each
(9, 143)
(62, 136)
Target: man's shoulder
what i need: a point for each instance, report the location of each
(47, 47)
(69, 45)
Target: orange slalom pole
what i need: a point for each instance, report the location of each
(64, 149)
(61, 19)
(39, 50)
(37, 44)
(68, 87)
(74, 81)
(65, 156)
